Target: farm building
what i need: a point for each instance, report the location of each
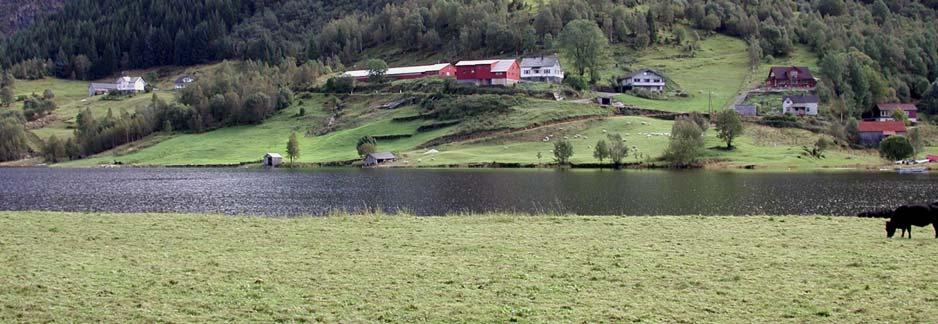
(122, 85)
(644, 79)
(800, 105)
(542, 69)
(488, 72)
(790, 77)
(183, 81)
(409, 72)
(884, 111)
(374, 159)
(746, 110)
(873, 132)
(272, 160)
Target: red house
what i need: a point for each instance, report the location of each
(884, 111)
(790, 77)
(873, 132)
(488, 72)
(409, 72)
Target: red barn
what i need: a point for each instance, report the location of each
(790, 77)
(409, 72)
(488, 72)
(873, 132)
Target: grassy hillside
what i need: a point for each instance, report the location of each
(760, 145)
(234, 145)
(497, 268)
(71, 97)
(719, 68)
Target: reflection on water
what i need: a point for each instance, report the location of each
(439, 192)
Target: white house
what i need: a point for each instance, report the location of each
(542, 69)
(122, 84)
(644, 79)
(183, 81)
(800, 105)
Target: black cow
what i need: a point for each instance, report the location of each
(919, 215)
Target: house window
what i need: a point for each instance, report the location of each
(657, 80)
(547, 71)
(637, 80)
(647, 80)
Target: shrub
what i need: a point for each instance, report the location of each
(896, 148)
(686, 143)
(576, 82)
(563, 150)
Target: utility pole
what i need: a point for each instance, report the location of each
(710, 103)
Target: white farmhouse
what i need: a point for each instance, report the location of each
(131, 84)
(800, 105)
(542, 69)
(122, 85)
(644, 79)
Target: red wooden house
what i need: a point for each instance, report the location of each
(884, 111)
(409, 72)
(790, 77)
(488, 72)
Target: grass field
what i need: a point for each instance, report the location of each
(497, 268)
(763, 146)
(234, 145)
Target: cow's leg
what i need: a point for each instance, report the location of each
(935, 224)
(910, 232)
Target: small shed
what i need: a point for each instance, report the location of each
(746, 110)
(604, 100)
(373, 159)
(272, 159)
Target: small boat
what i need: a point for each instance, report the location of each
(913, 170)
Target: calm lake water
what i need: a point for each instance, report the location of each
(446, 191)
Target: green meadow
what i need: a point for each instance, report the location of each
(75, 267)
(647, 139)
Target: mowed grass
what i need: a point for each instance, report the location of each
(234, 145)
(719, 68)
(496, 268)
(763, 146)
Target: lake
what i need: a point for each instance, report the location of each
(448, 191)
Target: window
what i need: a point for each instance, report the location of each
(547, 71)
(657, 80)
(637, 80)
(647, 80)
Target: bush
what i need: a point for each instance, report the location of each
(896, 148)
(13, 140)
(37, 107)
(563, 150)
(576, 82)
(686, 143)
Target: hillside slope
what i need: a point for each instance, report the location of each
(19, 14)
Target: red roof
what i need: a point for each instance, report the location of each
(882, 126)
(782, 73)
(897, 106)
